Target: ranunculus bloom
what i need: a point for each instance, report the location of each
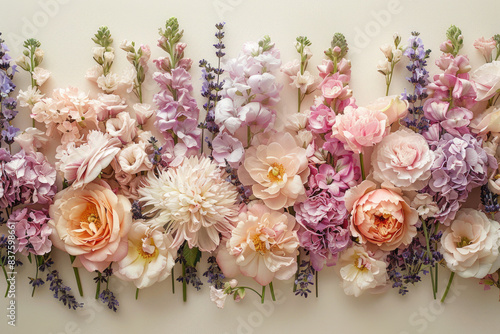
(361, 270)
(380, 217)
(486, 80)
(360, 127)
(92, 224)
(404, 159)
(393, 106)
(263, 245)
(277, 171)
(83, 164)
(488, 121)
(150, 258)
(470, 244)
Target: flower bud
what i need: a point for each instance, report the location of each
(127, 46)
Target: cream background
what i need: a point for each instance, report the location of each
(65, 27)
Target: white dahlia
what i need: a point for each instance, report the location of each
(193, 201)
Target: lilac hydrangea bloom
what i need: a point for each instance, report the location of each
(32, 231)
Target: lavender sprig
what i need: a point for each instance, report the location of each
(214, 273)
(7, 104)
(419, 79)
(489, 200)
(107, 296)
(304, 279)
(61, 291)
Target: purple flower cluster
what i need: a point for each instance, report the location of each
(7, 104)
(26, 178)
(419, 79)
(177, 115)
(32, 231)
(323, 217)
(461, 164)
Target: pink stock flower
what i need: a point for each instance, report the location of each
(263, 245)
(276, 171)
(457, 65)
(321, 119)
(454, 120)
(227, 148)
(360, 127)
(380, 217)
(92, 224)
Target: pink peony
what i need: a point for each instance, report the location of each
(380, 217)
(276, 171)
(360, 127)
(403, 159)
(91, 223)
(263, 245)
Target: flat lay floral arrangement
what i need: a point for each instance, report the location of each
(142, 191)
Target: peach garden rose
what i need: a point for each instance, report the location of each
(91, 223)
(380, 217)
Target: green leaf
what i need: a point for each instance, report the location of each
(191, 255)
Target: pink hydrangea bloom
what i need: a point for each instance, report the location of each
(32, 231)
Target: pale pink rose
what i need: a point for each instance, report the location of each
(227, 148)
(470, 244)
(143, 112)
(263, 245)
(393, 106)
(486, 80)
(277, 171)
(361, 270)
(83, 164)
(133, 158)
(291, 68)
(486, 47)
(150, 258)
(31, 139)
(380, 217)
(40, 75)
(91, 223)
(122, 127)
(404, 159)
(360, 127)
(488, 121)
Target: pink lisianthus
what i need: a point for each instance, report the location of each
(380, 217)
(83, 164)
(227, 148)
(122, 127)
(91, 223)
(486, 47)
(276, 171)
(263, 245)
(486, 80)
(32, 231)
(360, 127)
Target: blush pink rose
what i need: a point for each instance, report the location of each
(91, 223)
(380, 217)
(486, 80)
(360, 127)
(403, 159)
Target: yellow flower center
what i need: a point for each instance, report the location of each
(386, 225)
(464, 241)
(360, 264)
(146, 255)
(496, 177)
(260, 246)
(89, 219)
(276, 172)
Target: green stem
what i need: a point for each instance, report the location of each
(263, 295)
(202, 142)
(6, 278)
(249, 288)
(184, 284)
(77, 275)
(36, 274)
(296, 273)
(249, 136)
(98, 289)
(426, 234)
(362, 165)
(448, 287)
(299, 102)
(136, 293)
(316, 277)
(436, 277)
(173, 281)
(271, 288)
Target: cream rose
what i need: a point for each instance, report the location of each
(91, 223)
(403, 159)
(470, 244)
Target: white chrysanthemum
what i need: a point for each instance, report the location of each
(194, 201)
